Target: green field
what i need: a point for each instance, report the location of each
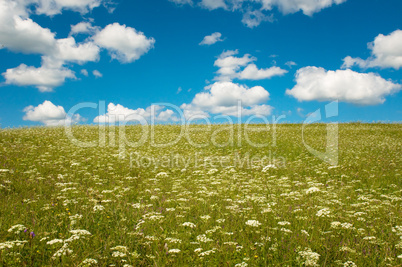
(211, 199)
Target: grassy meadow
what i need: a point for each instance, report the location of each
(215, 198)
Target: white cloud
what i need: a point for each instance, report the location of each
(67, 50)
(97, 74)
(84, 72)
(21, 34)
(386, 52)
(83, 28)
(125, 44)
(45, 79)
(343, 85)
(213, 4)
(223, 98)
(251, 72)
(256, 11)
(253, 18)
(53, 7)
(308, 7)
(119, 113)
(182, 2)
(290, 64)
(212, 39)
(49, 114)
(230, 68)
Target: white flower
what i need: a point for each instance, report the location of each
(17, 229)
(174, 251)
(118, 254)
(310, 258)
(88, 262)
(162, 174)
(197, 250)
(206, 217)
(284, 223)
(253, 223)
(243, 264)
(206, 253)
(349, 264)
(80, 232)
(98, 207)
(189, 224)
(203, 238)
(323, 212)
(54, 241)
(312, 190)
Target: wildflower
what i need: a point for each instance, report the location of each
(206, 253)
(198, 250)
(253, 223)
(323, 212)
(243, 264)
(349, 264)
(203, 238)
(88, 262)
(309, 257)
(54, 241)
(189, 224)
(80, 232)
(98, 207)
(16, 229)
(312, 190)
(284, 223)
(174, 251)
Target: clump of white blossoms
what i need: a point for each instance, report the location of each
(312, 190)
(349, 264)
(203, 238)
(88, 262)
(98, 208)
(253, 223)
(205, 217)
(284, 223)
(309, 257)
(80, 232)
(174, 251)
(323, 212)
(189, 224)
(16, 229)
(162, 174)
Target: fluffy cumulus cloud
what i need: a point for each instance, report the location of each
(53, 7)
(45, 79)
(83, 28)
(212, 39)
(19, 33)
(386, 52)
(228, 98)
(49, 114)
(124, 43)
(119, 113)
(257, 11)
(343, 85)
(232, 67)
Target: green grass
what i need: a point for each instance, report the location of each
(135, 214)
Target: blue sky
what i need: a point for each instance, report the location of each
(278, 57)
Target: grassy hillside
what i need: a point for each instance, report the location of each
(219, 196)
